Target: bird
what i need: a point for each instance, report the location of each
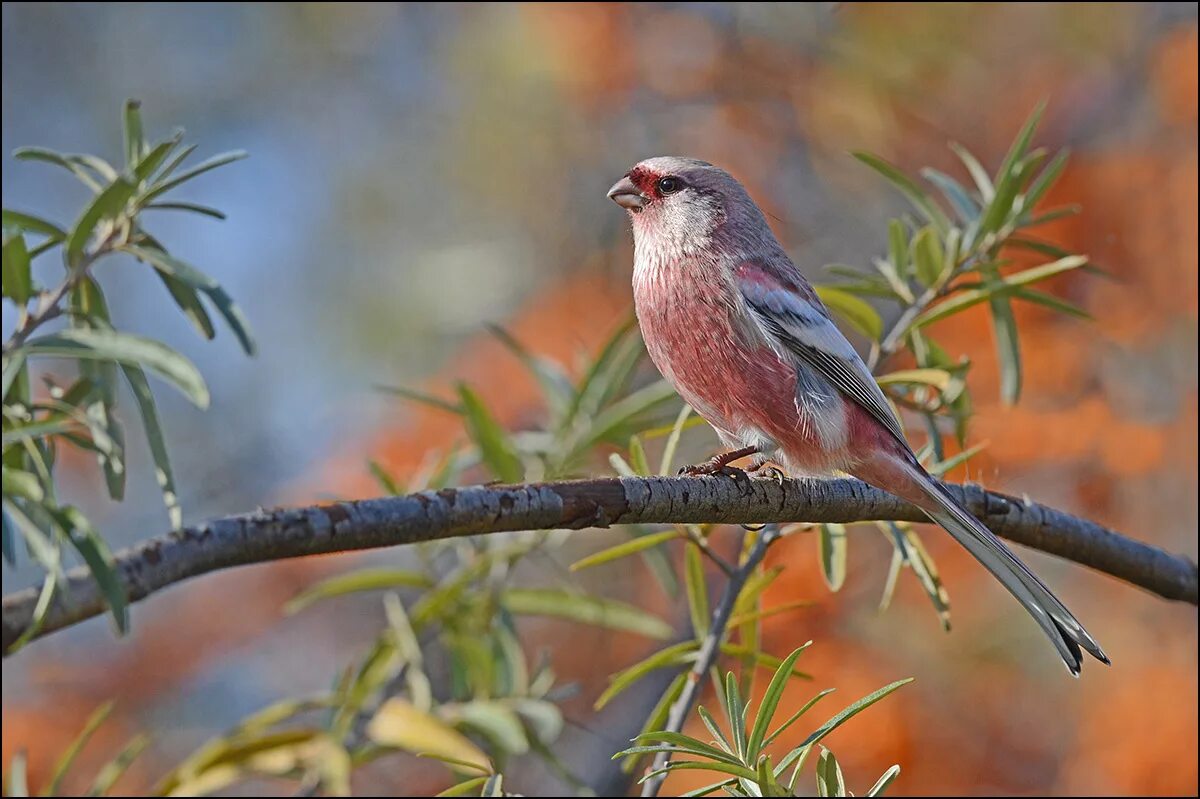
(737, 330)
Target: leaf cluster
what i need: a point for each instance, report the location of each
(82, 412)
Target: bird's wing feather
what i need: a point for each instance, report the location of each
(799, 324)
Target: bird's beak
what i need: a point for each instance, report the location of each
(626, 195)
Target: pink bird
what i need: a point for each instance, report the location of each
(734, 326)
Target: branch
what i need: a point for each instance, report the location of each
(430, 515)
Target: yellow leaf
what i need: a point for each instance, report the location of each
(400, 724)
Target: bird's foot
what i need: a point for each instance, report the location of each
(712, 468)
(764, 472)
(719, 465)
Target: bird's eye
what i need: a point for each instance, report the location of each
(669, 185)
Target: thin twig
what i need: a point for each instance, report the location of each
(707, 551)
(710, 647)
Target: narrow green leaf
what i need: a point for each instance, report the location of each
(675, 655)
(668, 456)
(893, 576)
(113, 770)
(983, 181)
(14, 271)
(461, 765)
(17, 781)
(108, 204)
(9, 539)
(954, 192)
(234, 317)
(584, 609)
(971, 297)
(707, 789)
(45, 597)
(90, 312)
(832, 549)
(386, 480)
(44, 429)
(630, 410)
(422, 398)
(928, 257)
(495, 446)
(938, 378)
(175, 162)
(32, 224)
(702, 765)
(1048, 177)
(621, 466)
(1038, 246)
(766, 782)
(658, 717)
(924, 568)
(135, 137)
(624, 549)
(941, 467)
(757, 615)
(898, 246)
(735, 711)
(1050, 301)
(40, 544)
(697, 590)
(109, 345)
(714, 730)
(166, 185)
(189, 302)
(58, 159)
(611, 365)
(148, 409)
(915, 194)
(98, 557)
(494, 786)
(197, 280)
(68, 757)
(770, 702)
(105, 171)
(1009, 177)
(1008, 345)
(222, 762)
(894, 279)
(464, 787)
(556, 387)
(1052, 215)
(796, 716)
(637, 457)
(829, 775)
(186, 206)
(861, 316)
(881, 785)
(356, 581)
(686, 745)
(756, 657)
(497, 723)
(850, 712)
(153, 159)
(801, 752)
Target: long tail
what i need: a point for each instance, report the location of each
(1060, 626)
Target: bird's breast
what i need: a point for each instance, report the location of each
(699, 335)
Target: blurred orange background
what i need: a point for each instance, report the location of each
(418, 171)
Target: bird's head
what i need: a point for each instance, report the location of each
(683, 203)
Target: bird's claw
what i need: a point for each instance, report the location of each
(770, 473)
(713, 468)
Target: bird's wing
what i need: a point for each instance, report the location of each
(796, 321)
